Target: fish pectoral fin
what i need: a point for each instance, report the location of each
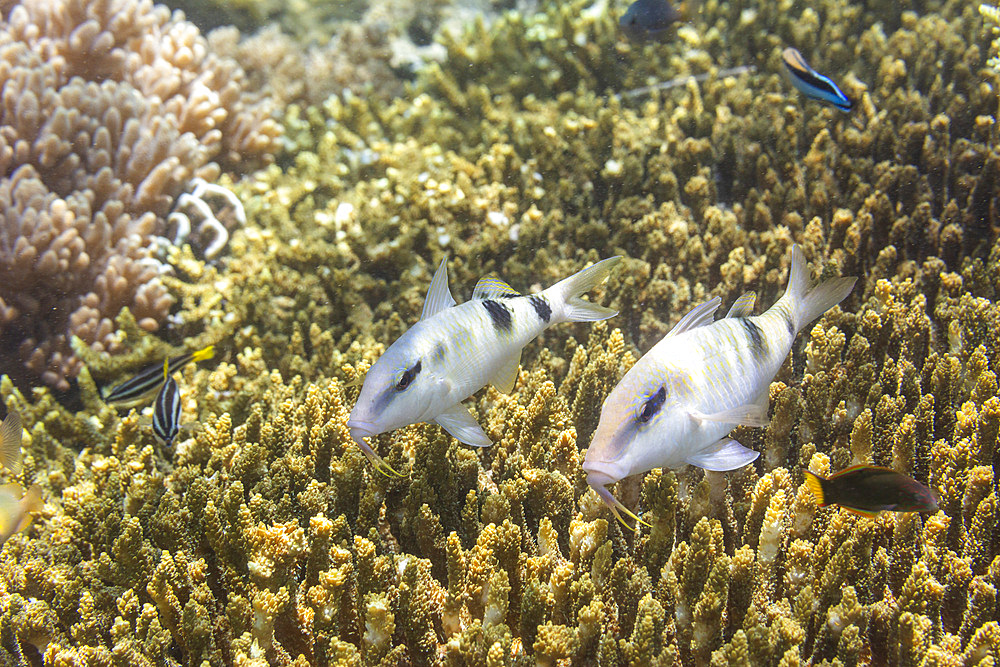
(723, 455)
(460, 423)
(438, 295)
(507, 375)
(751, 414)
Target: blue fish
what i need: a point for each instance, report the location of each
(812, 84)
(648, 19)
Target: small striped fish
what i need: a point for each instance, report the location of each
(812, 84)
(167, 408)
(455, 350)
(704, 378)
(144, 384)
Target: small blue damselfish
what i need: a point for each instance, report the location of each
(812, 84)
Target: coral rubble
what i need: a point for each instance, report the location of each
(266, 538)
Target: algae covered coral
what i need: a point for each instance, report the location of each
(266, 538)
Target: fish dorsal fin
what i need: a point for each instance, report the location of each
(861, 466)
(460, 423)
(698, 316)
(10, 442)
(507, 375)
(743, 306)
(491, 287)
(438, 295)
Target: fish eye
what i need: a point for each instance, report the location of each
(406, 379)
(652, 405)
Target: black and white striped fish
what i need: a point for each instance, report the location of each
(677, 404)
(455, 350)
(167, 408)
(144, 384)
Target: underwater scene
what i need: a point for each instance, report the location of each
(499, 332)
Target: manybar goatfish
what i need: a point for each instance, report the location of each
(677, 404)
(812, 84)
(455, 350)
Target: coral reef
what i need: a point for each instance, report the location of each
(266, 538)
(107, 111)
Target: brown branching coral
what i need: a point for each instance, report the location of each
(108, 109)
(266, 536)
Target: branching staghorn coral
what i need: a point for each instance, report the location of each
(266, 536)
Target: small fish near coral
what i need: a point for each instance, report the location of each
(868, 490)
(648, 20)
(455, 350)
(17, 507)
(147, 382)
(704, 378)
(812, 84)
(167, 408)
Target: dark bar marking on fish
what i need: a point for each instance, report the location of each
(756, 336)
(498, 314)
(439, 352)
(541, 306)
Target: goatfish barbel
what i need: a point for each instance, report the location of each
(812, 84)
(455, 350)
(147, 382)
(868, 490)
(677, 403)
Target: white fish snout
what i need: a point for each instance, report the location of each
(362, 429)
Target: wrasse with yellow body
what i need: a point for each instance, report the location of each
(677, 404)
(147, 382)
(868, 490)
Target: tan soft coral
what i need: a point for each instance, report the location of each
(109, 108)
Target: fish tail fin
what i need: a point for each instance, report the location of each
(10, 442)
(204, 353)
(815, 484)
(31, 503)
(808, 304)
(567, 293)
